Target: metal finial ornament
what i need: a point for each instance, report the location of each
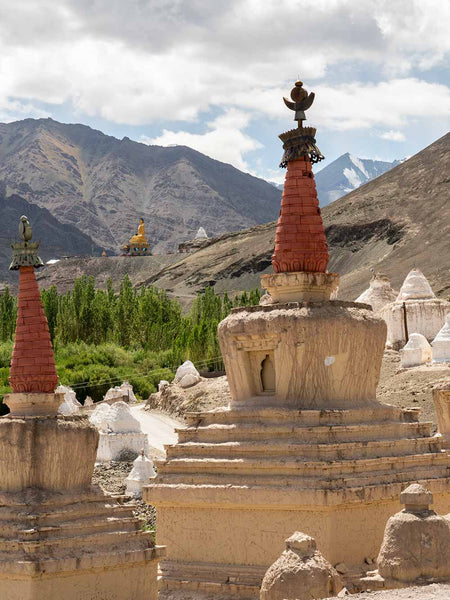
(301, 141)
(25, 229)
(301, 102)
(25, 253)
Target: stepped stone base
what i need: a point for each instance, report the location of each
(61, 537)
(240, 481)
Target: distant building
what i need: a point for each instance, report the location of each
(138, 244)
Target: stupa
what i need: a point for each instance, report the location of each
(379, 293)
(60, 536)
(441, 344)
(201, 240)
(415, 310)
(305, 444)
(138, 244)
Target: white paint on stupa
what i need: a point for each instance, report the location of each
(99, 417)
(441, 344)
(379, 293)
(70, 406)
(139, 475)
(119, 431)
(417, 305)
(416, 352)
(415, 287)
(201, 234)
(187, 375)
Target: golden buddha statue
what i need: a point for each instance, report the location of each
(140, 237)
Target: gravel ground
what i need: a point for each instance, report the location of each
(111, 478)
(435, 591)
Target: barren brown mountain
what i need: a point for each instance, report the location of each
(103, 185)
(391, 224)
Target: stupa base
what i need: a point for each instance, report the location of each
(74, 546)
(239, 482)
(300, 286)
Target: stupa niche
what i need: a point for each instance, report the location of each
(305, 442)
(60, 536)
(138, 244)
(415, 310)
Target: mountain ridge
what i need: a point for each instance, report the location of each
(384, 225)
(104, 185)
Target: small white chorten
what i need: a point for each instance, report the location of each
(201, 234)
(441, 343)
(120, 433)
(379, 293)
(141, 472)
(70, 406)
(415, 310)
(416, 352)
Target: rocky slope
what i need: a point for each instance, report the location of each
(391, 224)
(102, 185)
(57, 239)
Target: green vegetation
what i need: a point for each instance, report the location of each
(101, 338)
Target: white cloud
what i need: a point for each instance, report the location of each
(140, 62)
(393, 136)
(223, 141)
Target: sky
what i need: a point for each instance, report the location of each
(211, 74)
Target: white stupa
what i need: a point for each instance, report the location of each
(120, 433)
(415, 287)
(441, 344)
(70, 406)
(416, 352)
(139, 475)
(415, 310)
(201, 234)
(379, 293)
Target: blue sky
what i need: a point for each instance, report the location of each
(211, 73)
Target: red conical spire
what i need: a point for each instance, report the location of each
(300, 243)
(33, 363)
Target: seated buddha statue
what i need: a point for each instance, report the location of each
(140, 237)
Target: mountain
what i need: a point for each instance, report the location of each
(103, 185)
(348, 173)
(57, 239)
(391, 224)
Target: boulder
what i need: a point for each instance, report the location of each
(187, 375)
(120, 420)
(300, 573)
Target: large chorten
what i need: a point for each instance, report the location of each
(305, 444)
(415, 310)
(60, 536)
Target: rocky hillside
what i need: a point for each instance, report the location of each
(393, 223)
(102, 185)
(57, 239)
